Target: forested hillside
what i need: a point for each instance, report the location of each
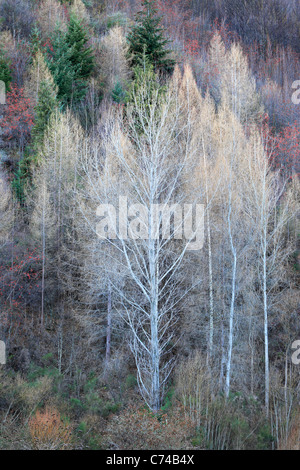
(149, 224)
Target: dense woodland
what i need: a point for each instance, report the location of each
(140, 343)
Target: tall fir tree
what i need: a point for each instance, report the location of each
(147, 36)
(81, 56)
(71, 87)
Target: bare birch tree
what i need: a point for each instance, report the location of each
(146, 165)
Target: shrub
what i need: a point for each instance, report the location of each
(139, 429)
(48, 431)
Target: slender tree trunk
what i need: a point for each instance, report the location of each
(232, 303)
(155, 352)
(211, 297)
(231, 325)
(108, 330)
(266, 336)
(223, 359)
(251, 346)
(43, 257)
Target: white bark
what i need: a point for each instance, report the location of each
(146, 169)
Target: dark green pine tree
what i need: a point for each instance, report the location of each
(81, 57)
(71, 88)
(147, 36)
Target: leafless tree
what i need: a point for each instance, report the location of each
(146, 166)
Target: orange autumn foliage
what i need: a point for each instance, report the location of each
(48, 431)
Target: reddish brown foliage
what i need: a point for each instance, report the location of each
(18, 117)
